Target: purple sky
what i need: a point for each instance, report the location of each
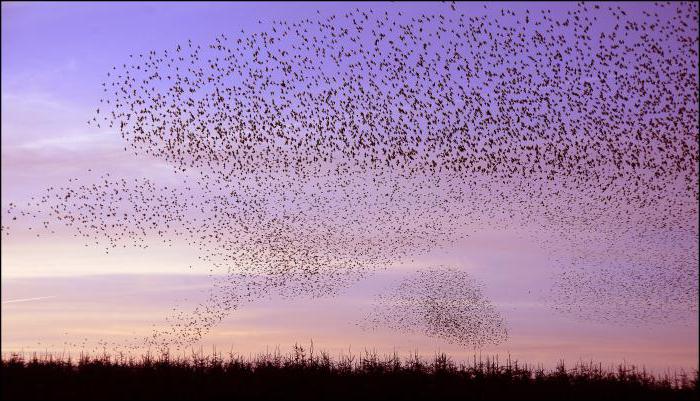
(54, 57)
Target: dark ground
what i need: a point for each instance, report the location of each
(303, 377)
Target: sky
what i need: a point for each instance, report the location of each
(58, 294)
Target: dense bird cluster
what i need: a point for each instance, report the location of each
(441, 302)
(317, 151)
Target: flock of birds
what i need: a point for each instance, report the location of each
(313, 153)
(442, 302)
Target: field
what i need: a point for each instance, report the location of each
(304, 374)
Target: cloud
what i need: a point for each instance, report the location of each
(12, 301)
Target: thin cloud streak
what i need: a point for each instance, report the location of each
(12, 301)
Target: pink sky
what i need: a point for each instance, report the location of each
(117, 309)
(56, 292)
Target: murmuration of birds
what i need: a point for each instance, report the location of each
(315, 152)
(441, 302)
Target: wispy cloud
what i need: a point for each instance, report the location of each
(12, 301)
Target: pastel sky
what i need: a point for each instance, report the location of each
(59, 295)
